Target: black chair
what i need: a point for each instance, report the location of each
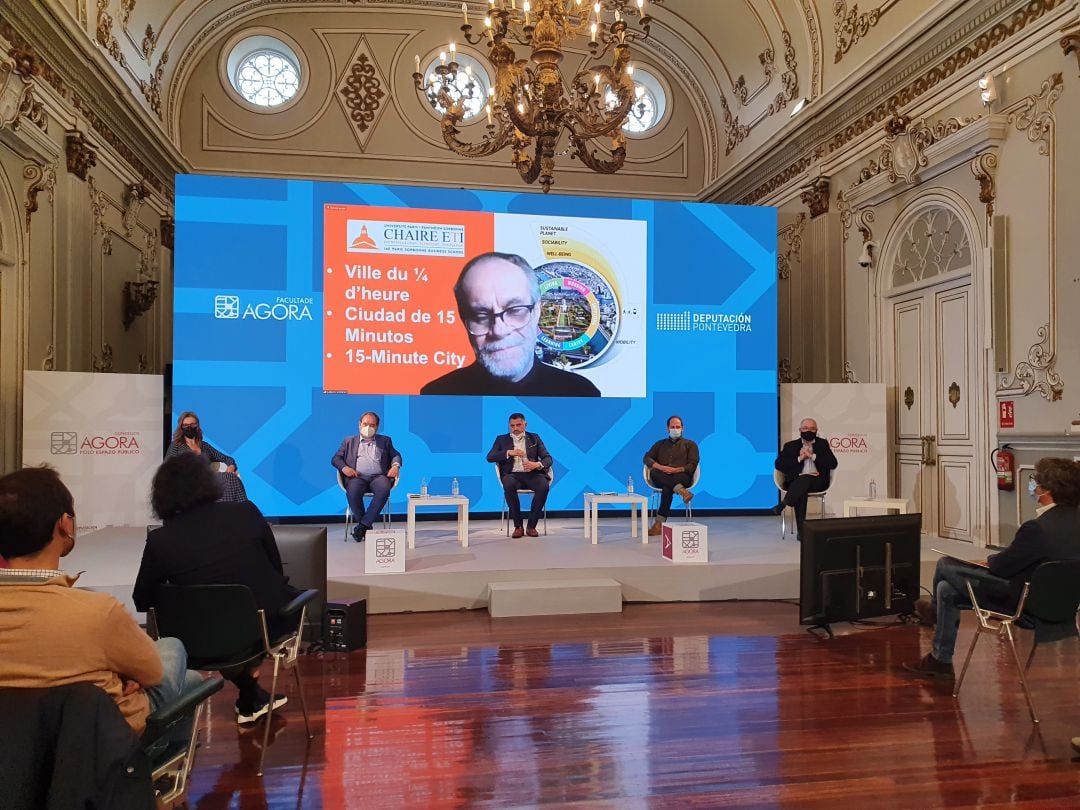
(224, 630)
(69, 746)
(172, 763)
(1047, 606)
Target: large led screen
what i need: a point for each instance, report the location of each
(299, 305)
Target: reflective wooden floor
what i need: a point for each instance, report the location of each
(693, 705)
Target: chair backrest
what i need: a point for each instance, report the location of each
(214, 622)
(341, 480)
(778, 479)
(1054, 595)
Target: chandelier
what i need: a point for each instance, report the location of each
(530, 106)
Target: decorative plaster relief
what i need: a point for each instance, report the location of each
(904, 150)
(149, 43)
(810, 13)
(105, 37)
(1034, 116)
(40, 178)
(851, 26)
(816, 197)
(168, 232)
(48, 363)
(134, 196)
(360, 92)
(151, 88)
(98, 205)
(984, 167)
(944, 68)
(785, 373)
(80, 155)
(849, 374)
(105, 362)
(792, 236)
(1070, 42)
(126, 9)
(16, 84)
(1036, 373)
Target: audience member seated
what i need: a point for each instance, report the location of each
(1054, 534)
(188, 440)
(205, 541)
(672, 462)
(51, 633)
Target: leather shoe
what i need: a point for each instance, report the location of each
(656, 529)
(532, 532)
(518, 532)
(686, 495)
(780, 507)
(930, 667)
(359, 532)
(926, 610)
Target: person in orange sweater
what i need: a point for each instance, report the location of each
(51, 633)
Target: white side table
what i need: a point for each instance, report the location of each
(460, 501)
(853, 504)
(637, 502)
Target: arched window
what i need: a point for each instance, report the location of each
(264, 71)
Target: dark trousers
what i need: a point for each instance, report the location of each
(798, 489)
(666, 483)
(355, 488)
(537, 481)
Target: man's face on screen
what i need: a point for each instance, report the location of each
(501, 317)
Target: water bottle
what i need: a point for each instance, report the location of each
(423, 486)
(629, 485)
(873, 488)
(454, 488)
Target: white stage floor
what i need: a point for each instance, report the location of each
(747, 560)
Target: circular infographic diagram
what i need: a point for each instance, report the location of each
(579, 315)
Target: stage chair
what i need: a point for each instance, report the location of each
(222, 629)
(387, 514)
(778, 479)
(505, 517)
(654, 494)
(1047, 606)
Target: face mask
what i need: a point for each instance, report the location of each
(367, 431)
(808, 435)
(1031, 488)
(675, 433)
(190, 431)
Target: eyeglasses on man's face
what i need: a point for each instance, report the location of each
(482, 321)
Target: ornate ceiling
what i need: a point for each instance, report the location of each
(736, 67)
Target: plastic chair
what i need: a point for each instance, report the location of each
(778, 479)
(222, 629)
(505, 517)
(1047, 606)
(387, 513)
(654, 495)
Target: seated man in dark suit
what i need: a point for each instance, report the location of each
(523, 464)
(1054, 534)
(806, 464)
(369, 463)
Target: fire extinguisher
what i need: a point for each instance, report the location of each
(1005, 465)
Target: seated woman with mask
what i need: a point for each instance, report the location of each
(188, 439)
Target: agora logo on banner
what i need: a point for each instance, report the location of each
(119, 443)
(852, 443)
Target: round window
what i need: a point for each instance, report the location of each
(264, 71)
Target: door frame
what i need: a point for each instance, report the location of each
(881, 310)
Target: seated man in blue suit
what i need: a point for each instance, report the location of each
(369, 463)
(523, 464)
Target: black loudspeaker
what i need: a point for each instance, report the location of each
(345, 626)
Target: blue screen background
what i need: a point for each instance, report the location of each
(257, 385)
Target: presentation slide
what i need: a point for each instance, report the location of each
(299, 305)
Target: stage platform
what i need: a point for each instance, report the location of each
(748, 559)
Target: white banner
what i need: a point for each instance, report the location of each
(102, 432)
(852, 417)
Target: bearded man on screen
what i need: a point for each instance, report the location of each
(498, 300)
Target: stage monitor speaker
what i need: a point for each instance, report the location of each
(345, 626)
